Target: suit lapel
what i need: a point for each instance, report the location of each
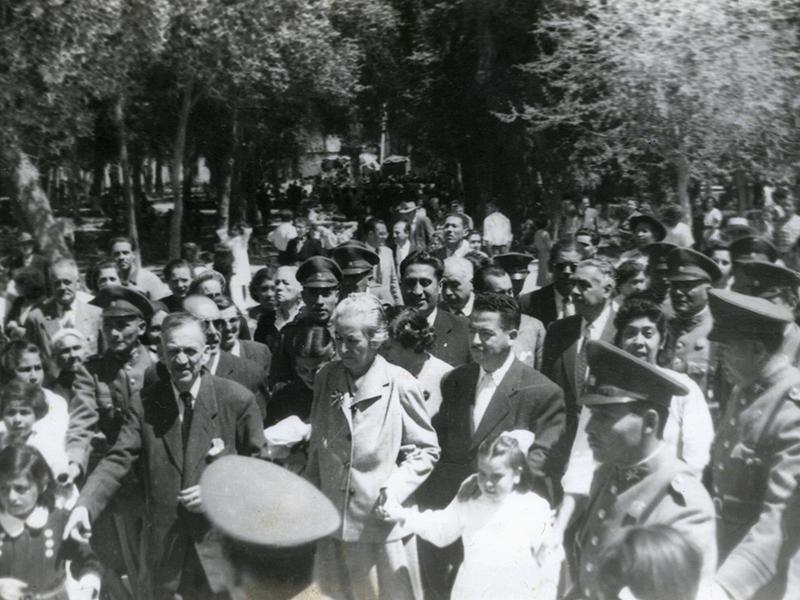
(499, 406)
(51, 322)
(550, 309)
(225, 366)
(609, 331)
(166, 423)
(203, 430)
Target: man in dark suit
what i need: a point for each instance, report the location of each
(554, 301)
(174, 428)
(302, 247)
(482, 399)
(221, 363)
(420, 278)
(564, 358)
(229, 319)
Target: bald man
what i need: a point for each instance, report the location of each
(458, 293)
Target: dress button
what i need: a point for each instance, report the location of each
(726, 444)
(594, 541)
(589, 567)
(587, 592)
(732, 422)
(48, 554)
(721, 466)
(351, 491)
(601, 513)
(614, 489)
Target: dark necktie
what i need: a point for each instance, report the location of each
(188, 412)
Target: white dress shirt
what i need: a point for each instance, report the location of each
(565, 307)
(432, 316)
(401, 251)
(194, 391)
(487, 386)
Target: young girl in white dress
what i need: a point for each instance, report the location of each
(502, 525)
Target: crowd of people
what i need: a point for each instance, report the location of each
(606, 409)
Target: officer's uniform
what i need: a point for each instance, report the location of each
(657, 490)
(102, 392)
(776, 284)
(516, 265)
(358, 262)
(315, 272)
(755, 458)
(687, 349)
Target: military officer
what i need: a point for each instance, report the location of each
(516, 265)
(755, 458)
(357, 262)
(687, 349)
(102, 392)
(780, 286)
(657, 273)
(321, 279)
(639, 481)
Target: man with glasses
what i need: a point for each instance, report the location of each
(554, 301)
(221, 363)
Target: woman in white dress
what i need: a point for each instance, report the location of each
(410, 339)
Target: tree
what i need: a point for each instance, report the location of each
(694, 89)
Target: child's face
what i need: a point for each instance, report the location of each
(29, 369)
(19, 420)
(18, 496)
(307, 369)
(496, 477)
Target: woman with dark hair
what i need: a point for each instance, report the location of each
(654, 562)
(640, 325)
(408, 346)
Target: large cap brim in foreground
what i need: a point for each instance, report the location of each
(257, 502)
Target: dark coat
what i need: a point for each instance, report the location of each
(559, 362)
(452, 338)
(525, 399)
(257, 353)
(540, 304)
(172, 302)
(150, 441)
(311, 247)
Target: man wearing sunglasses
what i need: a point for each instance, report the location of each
(554, 301)
(221, 363)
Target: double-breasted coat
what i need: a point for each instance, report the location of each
(755, 463)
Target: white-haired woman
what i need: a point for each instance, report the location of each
(371, 439)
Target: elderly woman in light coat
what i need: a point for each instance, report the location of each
(371, 438)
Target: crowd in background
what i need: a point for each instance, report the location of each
(605, 404)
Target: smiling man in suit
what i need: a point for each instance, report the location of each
(63, 310)
(480, 400)
(420, 283)
(175, 427)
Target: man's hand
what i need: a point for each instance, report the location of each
(190, 499)
(12, 589)
(78, 526)
(469, 489)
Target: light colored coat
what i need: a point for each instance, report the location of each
(366, 439)
(44, 321)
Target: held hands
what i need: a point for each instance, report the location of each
(89, 587)
(12, 589)
(391, 511)
(190, 499)
(78, 526)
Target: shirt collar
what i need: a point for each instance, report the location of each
(599, 324)
(194, 390)
(432, 316)
(236, 350)
(498, 374)
(466, 310)
(14, 526)
(213, 363)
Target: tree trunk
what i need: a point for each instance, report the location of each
(682, 184)
(33, 203)
(227, 181)
(125, 167)
(176, 170)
